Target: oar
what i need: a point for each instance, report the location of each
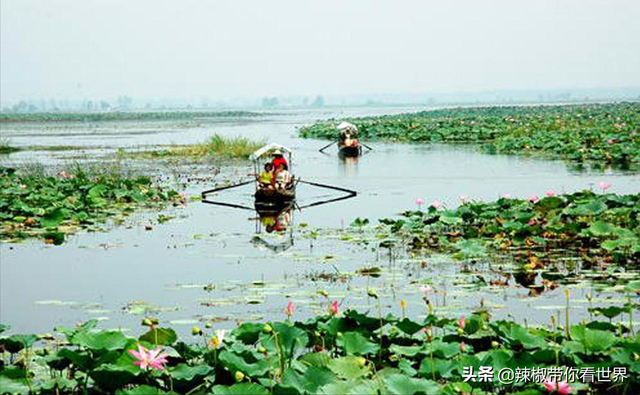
(366, 146)
(227, 204)
(327, 146)
(208, 191)
(316, 184)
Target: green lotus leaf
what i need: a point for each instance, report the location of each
(355, 343)
(240, 389)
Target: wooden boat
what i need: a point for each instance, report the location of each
(274, 200)
(350, 151)
(269, 200)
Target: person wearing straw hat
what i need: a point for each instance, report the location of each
(278, 158)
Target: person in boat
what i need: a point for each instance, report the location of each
(283, 177)
(278, 159)
(266, 178)
(348, 138)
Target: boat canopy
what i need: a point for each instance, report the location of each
(347, 126)
(269, 148)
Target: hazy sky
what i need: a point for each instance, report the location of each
(215, 48)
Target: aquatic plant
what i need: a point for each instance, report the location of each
(329, 354)
(216, 146)
(6, 147)
(596, 134)
(606, 225)
(149, 358)
(34, 203)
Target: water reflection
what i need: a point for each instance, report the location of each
(271, 230)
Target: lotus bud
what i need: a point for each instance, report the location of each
(195, 331)
(403, 304)
(239, 376)
(147, 322)
(207, 325)
(463, 347)
(567, 293)
(267, 328)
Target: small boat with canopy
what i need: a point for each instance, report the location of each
(348, 144)
(281, 195)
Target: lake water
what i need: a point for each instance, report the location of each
(203, 265)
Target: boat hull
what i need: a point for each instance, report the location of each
(350, 151)
(274, 201)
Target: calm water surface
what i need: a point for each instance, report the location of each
(120, 275)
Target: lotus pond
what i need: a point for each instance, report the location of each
(188, 264)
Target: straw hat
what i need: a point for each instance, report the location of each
(277, 152)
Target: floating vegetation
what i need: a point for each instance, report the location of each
(596, 134)
(333, 353)
(122, 116)
(601, 228)
(216, 146)
(50, 206)
(6, 147)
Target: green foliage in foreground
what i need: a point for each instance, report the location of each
(602, 224)
(351, 354)
(122, 116)
(216, 146)
(596, 133)
(50, 206)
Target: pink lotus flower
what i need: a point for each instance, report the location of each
(604, 186)
(290, 308)
(425, 289)
(550, 193)
(506, 196)
(334, 309)
(462, 322)
(463, 347)
(420, 201)
(436, 204)
(611, 141)
(145, 358)
(533, 199)
(463, 198)
(561, 387)
(532, 222)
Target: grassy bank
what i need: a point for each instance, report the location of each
(37, 204)
(216, 146)
(336, 353)
(6, 148)
(122, 116)
(598, 134)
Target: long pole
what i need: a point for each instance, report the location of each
(349, 191)
(208, 191)
(327, 146)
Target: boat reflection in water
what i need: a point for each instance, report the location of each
(271, 230)
(275, 202)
